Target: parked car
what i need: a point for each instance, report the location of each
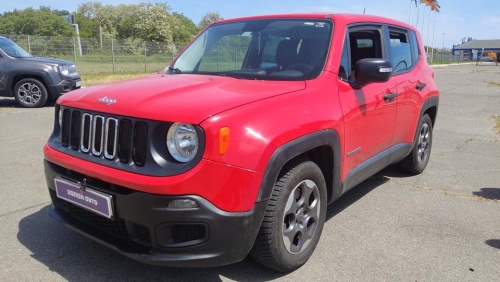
(488, 59)
(240, 144)
(33, 81)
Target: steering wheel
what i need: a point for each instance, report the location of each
(304, 68)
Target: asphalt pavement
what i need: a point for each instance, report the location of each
(443, 225)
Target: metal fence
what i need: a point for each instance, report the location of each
(96, 56)
(445, 56)
(128, 55)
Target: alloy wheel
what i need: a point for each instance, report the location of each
(29, 93)
(301, 216)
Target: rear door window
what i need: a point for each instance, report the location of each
(401, 51)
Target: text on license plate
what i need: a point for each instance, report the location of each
(87, 198)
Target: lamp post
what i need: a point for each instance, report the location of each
(442, 49)
(78, 36)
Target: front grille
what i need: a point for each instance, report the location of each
(76, 119)
(97, 134)
(111, 138)
(65, 127)
(125, 137)
(140, 139)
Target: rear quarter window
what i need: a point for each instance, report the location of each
(414, 47)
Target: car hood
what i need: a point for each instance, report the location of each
(176, 98)
(46, 60)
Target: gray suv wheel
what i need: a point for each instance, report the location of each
(30, 93)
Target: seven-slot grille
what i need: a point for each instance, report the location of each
(104, 136)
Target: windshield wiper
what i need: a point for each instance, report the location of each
(174, 70)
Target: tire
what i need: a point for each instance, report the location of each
(30, 93)
(294, 219)
(418, 158)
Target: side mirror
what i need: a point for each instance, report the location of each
(371, 70)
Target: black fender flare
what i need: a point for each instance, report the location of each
(295, 148)
(429, 103)
(10, 79)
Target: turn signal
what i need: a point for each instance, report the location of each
(224, 134)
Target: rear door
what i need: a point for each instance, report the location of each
(409, 80)
(368, 115)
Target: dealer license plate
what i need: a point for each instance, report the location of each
(87, 198)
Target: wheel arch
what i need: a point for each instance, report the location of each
(16, 77)
(321, 147)
(430, 108)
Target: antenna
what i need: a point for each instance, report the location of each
(364, 10)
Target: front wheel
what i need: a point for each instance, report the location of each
(30, 93)
(416, 161)
(294, 219)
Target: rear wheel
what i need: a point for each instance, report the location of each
(294, 219)
(30, 93)
(416, 161)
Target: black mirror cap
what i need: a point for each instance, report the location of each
(372, 70)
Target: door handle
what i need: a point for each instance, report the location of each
(421, 86)
(390, 96)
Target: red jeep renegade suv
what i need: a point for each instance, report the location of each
(240, 144)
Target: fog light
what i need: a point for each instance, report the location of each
(182, 204)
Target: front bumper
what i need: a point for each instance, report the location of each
(66, 85)
(145, 229)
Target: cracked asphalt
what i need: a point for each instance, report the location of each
(443, 225)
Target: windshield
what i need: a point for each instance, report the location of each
(271, 49)
(12, 49)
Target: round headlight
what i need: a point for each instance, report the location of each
(182, 142)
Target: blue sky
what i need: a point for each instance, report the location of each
(457, 19)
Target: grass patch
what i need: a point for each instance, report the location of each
(447, 62)
(97, 69)
(493, 83)
(102, 72)
(437, 62)
(496, 119)
(89, 79)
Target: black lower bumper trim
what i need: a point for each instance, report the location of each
(145, 229)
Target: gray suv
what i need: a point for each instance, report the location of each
(33, 81)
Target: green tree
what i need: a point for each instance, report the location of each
(87, 18)
(152, 22)
(97, 15)
(44, 21)
(183, 29)
(209, 18)
(144, 21)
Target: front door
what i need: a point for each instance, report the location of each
(369, 117)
